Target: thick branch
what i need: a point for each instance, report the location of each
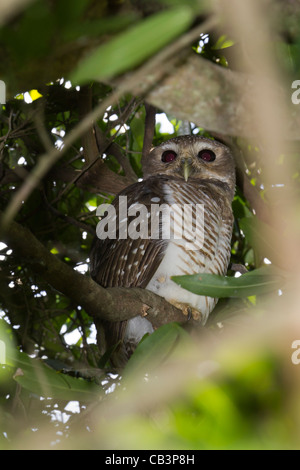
(98, 179)
(114, 304)
(215, 98)
(101, 180)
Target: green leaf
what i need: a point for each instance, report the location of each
(222, 43)
(154, 349)
(41, 380)
(132, 47)
(260, 281)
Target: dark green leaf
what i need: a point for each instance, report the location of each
(260, 281)
(41, 380)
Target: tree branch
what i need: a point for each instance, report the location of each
(98, 179)
(90, 149)
(113, 304)
(149, 131)
(102, 180)
(215, 98)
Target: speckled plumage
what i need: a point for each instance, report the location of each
(149, 263)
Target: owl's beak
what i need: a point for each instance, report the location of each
(187, 168)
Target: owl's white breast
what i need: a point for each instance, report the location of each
(174, 265)
(204, 254)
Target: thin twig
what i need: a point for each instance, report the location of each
(114, 149)
(68, 219)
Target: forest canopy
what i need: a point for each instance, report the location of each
(87, 88)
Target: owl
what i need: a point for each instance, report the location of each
(178, 220)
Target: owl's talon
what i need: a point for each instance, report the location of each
(188, 311)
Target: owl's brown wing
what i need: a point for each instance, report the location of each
(129, 262)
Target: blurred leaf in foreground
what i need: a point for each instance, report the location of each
(135, 45)
(154, 349)
(40, 379)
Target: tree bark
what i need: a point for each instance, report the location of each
(216, 98)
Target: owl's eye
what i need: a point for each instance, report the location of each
(207, 155)
(168, 156)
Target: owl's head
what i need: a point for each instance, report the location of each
(192, 158)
